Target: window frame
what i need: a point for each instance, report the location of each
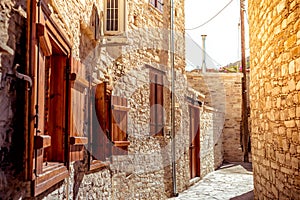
(45, 33)
(104, 141)
(121, 16)
(158, 4)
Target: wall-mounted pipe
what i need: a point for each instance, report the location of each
(172, 49)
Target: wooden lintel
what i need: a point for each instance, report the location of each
(42, 141)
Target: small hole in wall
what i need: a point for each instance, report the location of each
(135, 21)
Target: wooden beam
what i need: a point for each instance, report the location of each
(78, 140)
(121, 143)
(42, 141)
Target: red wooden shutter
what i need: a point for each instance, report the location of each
(119, 109)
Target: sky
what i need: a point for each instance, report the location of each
(223, 32)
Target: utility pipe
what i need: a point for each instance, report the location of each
(244, 86)
(172, 48)
(203, 54)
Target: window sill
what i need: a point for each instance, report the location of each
(52, 174)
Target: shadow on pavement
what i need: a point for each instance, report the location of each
(246, 166)
(246, 196)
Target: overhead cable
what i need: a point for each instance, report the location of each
(189, 29)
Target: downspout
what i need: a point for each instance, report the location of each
(172, 48)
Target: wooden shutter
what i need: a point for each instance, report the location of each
(156, 103)
(152, 108)
(159, 109)
(119, 109)
(39, 143)
(101, 144)
(78, 112)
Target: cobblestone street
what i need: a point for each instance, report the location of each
(231, 181)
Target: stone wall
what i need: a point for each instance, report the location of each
(274, 90)
(12, 52)
(146, 172)
(211, 139)
(223, 92)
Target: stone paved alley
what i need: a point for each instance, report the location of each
(231, 181)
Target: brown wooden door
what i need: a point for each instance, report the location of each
(194, 142)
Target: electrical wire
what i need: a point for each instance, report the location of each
(190, 29)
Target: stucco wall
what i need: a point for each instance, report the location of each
(274, 90)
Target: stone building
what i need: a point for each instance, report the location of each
(274, 94)
(223, 92)
(86, 113)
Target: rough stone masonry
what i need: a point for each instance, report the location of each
(145, 173)
(275, 97)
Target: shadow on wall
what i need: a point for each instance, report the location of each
(12, 96)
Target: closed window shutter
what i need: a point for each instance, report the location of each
(159, 114)
(152, 108)
(156, 104)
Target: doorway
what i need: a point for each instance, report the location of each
(194, 141)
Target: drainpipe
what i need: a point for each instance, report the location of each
(172, 46)
(203, 54)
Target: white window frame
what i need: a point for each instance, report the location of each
(122, 18)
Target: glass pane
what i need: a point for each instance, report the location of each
(108, 4)
(108, 14)
(116, 25)
(116, 14)
(116, 3)
(108, 25)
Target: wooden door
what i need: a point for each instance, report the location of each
(194, 141)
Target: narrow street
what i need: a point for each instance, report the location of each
(231, 181)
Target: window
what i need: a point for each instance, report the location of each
(109, 132)
(157, 4)
(156, 102)
(48, 147)
(115, 17)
